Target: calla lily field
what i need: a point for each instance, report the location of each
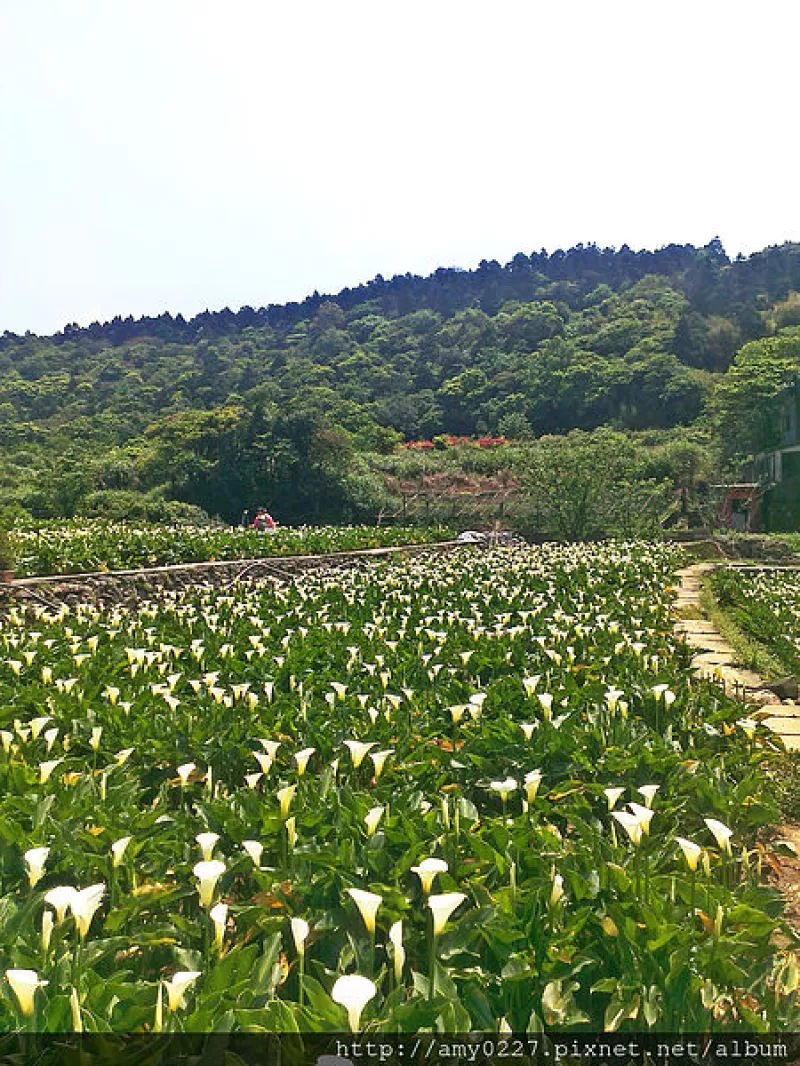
(766, 605)
(77, 547)
(480, 791)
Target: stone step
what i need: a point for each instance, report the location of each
(709, 643)
(710, 659)
(784, 727)
(780, 710)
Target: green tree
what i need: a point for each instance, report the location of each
(587, 485)
(742, 403)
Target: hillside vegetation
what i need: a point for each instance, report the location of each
(292, 404)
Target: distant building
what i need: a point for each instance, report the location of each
(778, 471)
(741, 507)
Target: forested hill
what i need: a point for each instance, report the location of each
(544, 344)
(712, 284)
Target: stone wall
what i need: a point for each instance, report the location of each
(133, 586)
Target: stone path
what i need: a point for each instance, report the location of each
(715, 658)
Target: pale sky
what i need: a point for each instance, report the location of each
(178, 155)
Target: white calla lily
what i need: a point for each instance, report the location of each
(368, 904)
(84, 905)
(60, 899)
(219, 916)
(358, 750)
(442, 907)
(300, 931)
(35, 859)
(207, 843)
(372, 820)
(353, 992)
(254, 849)
(208, 872)
(23, 984)
(396, 939)
(722, 834)
(691, 852)
(176, 987)
(118, 849)
(427, 871)
(631, 824)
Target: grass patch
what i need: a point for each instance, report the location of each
(750, 653)
(783, 772)
(689, 611)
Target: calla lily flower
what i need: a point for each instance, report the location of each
(530, 684)
(207, 842)
(75, 1009)
(184, 772)
(612, 795)
(612, 697)
(60, 899)
(372, 820)
(691, 852)
(300, 931)
(505, 788)
(649, 792)
(23, 984)
(533, 780)
(358, 751)
(631, 824)
(396, 938)
(368, 904)
(442, 907)
(285, 797)
(264, 761)
(94, 740)
(749, 726)
(546, 702)
(83, 906)
(35, 859)
(644, 814)
(254, 849)
(528, 729)
(379, 759)
(291, 831)
(177, 986)
(46, 769)
(118, 850)
(427, 871)
(557, 891)
(47, 930)
(353, 992)
(219, 916)
(208, 873)
(721, 833)
(38, 724)
(301, 758)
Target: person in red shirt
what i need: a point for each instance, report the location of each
(263, 520)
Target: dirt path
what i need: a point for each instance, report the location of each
(714, 657)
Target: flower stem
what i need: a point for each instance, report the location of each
(432, 968)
